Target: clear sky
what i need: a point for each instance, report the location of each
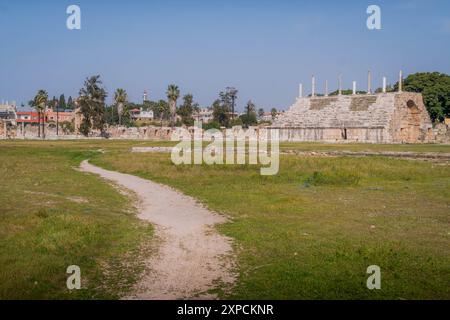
(263, 48)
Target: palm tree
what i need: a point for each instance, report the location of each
(120, 97)
(40, 102)
(162, 109)
(173, 93)
(232, 93)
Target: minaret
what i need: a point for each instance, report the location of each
(400, 81)
(369, 83)
(300, 90)
(313, 92)
(326, 88)
(145, 96)
(354, 87)
(384, 84)
(340, 84)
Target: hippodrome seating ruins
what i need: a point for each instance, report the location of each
(377, 118)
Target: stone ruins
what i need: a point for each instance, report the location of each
(386, 117)
(399, 117)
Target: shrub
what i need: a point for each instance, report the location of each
(211, 125)
(336, 178)
(67, 127)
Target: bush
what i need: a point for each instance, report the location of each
(236, 122)
(211, 125)
(67, 127)
(336, 178)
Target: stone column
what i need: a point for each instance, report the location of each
(340, 84)
(300, 90)
(354, 87)
(313, 92)
(400, 81)
(369, 83)
(384, 84)
(326, 88)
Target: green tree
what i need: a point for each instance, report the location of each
(40, 102)
(228, 99)
(211, 125)
(249, 118)
(68, 127)
(260, 113)
(221, 113)
(111, 115)
(120, 97)
(435, 88)
(92, 105)
(173, 93)
(236, 122)
(274, 113)
(389, 88)
(231, 94)
(160, 110)
(186, 110)
(62, 102)
(70, 104)
(53, 103)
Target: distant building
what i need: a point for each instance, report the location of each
(141, 115)
(234, 115)
(267, 116)
(27, 117)
(8, 112)
(204, 114)
(65, 116)
(32, 117)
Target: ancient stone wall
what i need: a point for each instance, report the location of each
(145, 133)
(380, 118)
(411, 121)
(442, 132)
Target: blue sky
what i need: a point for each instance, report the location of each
(263, 48)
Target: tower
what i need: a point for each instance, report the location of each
(145, 96)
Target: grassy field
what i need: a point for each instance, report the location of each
(309, 232)
(52, 216)
(305, 146)
(312, 230)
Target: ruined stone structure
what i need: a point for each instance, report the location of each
(375, 118)
(442, 131)
(145, 133)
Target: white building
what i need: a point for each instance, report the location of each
(8, 111)
(204, 114)
(141, 114)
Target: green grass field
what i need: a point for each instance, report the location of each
(309, 232)
(52, 216)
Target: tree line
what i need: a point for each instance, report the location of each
(96, 114)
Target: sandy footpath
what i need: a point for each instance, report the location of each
(192, 257)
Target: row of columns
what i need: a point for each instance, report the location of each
(369, 85)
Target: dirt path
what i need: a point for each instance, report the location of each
(192, 258)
